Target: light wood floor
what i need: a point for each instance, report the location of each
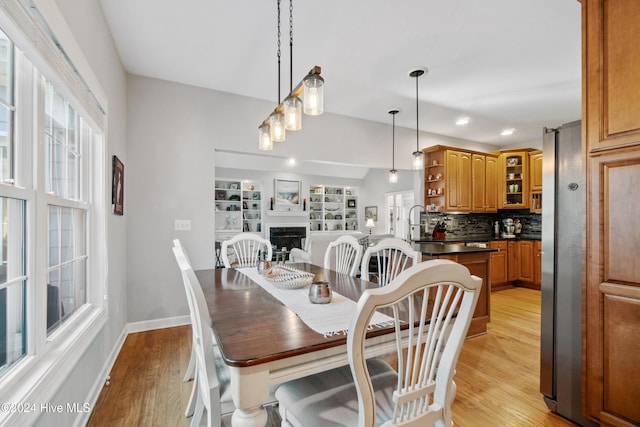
(497, 374)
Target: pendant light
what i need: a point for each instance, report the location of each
(313, 94)
(393, 173)
(292, 104)
(264, 138)
(276, 119)
(418, 156)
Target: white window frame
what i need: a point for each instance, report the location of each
(50, 360)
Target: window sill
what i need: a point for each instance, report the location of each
(34, 381)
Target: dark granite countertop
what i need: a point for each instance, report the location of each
(479, 238)
(442, 248)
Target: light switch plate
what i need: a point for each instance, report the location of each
(182, 225)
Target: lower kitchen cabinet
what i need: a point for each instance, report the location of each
(517, 262)
(498, 264)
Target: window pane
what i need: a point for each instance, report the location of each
(12, 283)
(63, 147)
(66, 288)
(6, 113)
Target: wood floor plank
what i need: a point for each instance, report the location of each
(497, 374)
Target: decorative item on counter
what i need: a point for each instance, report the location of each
(439, 231)
(496, 228)
(518, 225)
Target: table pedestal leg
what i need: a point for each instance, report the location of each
(249, 390)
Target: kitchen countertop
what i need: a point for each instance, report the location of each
(479, 238)
(436, 249)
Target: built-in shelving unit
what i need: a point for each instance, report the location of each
(333, 208)
(239, 207)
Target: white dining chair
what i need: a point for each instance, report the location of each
(391, 256)
(206, 383)
(432, 305)
(343, 255)
(244, 250)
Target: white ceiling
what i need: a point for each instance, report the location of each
(503, 63)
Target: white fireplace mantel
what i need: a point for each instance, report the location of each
(287, 213)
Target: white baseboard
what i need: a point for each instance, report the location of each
(150, 325)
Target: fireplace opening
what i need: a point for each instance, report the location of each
(287, 237)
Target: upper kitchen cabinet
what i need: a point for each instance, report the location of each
(484, 183)
(447, 178)
(514, 179)
(535, 170)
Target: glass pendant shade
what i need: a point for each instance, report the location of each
(418, 160)
(292, 113)
(313, 95)
(393, 176)
(276, 124)
(264, 138)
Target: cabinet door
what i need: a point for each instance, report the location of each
(458, 181)
(491, 184)
(514, 180)
(535, 167)
(525, 259)
(537, 263)
(512, 262)
(498, 263)
(478, 183)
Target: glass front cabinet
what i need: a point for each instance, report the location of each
(514, 179)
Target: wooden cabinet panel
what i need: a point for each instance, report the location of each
(613, 287)
(484, 188)
(525, 260)
(514, 179)
(458, 181)
(537, 264)
(498, 264)
(512, 261)
(535, 168)
(612, 58)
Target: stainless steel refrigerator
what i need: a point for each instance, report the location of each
(563, 210)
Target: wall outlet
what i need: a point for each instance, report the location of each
(182, 225)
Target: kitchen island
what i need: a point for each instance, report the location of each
(477, 260)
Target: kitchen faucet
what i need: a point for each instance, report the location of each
(409, 219)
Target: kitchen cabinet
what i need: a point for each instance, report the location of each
(447, 180)
(525, 261)
(498, 264)
(333, 208)
(611, 132)
(537, 264)
(484, 185)
(512, 261)
(535, 173)
(514, 179)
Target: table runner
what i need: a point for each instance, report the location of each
(326, 319)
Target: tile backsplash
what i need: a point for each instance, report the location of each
(464, 225)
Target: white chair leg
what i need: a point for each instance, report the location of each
(191, 369)
(197, 414)
(192, 399)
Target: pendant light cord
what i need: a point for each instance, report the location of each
(393, 142)
(417, 116)
(290, 46)
(278, 51)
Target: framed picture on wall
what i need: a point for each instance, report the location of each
(351, 203)
(117, 187)
(287, 194)
(371, 212)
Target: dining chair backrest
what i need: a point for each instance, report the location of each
(439, 297)
(245, 250)
(208, 392)
(347, 253)
(390, 257)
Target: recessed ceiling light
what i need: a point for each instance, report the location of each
(507, 132)
(462, 121)
(292, 161)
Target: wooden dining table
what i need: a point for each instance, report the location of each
(264, 343)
